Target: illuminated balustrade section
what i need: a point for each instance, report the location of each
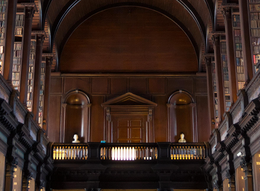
(128, 153)
(187, 152)
(70, 152)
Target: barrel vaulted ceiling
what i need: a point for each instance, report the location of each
(197, 18)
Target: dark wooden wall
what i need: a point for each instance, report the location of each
(100, 89)
(128, 39)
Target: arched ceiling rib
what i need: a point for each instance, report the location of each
(194, 16)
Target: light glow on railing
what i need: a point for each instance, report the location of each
(187, 152)
(70, 152)
(128, 153)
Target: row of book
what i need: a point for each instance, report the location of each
(16, 76)
(236, 20)
(2, 9)
(16, 68)
(239, 53)
(16, 61)
(240, 77)
(18, 46)
(240, 69)
(2, 23)
(18, 53)
(18, 31)
(238, 46)
(2, 16)
(254, 7)
(239, 61)
(254, 1)
(255, 23)
(254, 16)
(255, 32)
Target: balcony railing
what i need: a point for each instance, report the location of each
(129, 151)
(70, 152)
(188, 151)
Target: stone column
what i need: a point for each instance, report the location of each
(219, 77)
(247, 168)
(9, 40)
(29, 11)
(9, 172)
(231, 56)
(37, 74)
(210, 92)
(47, 93)
(245, 34)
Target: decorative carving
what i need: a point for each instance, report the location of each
(215, 39)
(226, 11)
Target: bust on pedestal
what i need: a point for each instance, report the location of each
(182, 140)
(76, 138)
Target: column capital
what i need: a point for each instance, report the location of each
(208, 60)
(29, 10)
(226, 11)
(215, 39)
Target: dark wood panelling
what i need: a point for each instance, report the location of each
(180, 84)
(156, 85)
(138, 85)
(56, 85)
(201, 85)
(204, 130)
(128, 39)
(105, 88)
(118, 85)
(100, 86)
(160, 119)
(77, 83)
(54, 120)
(97, 119)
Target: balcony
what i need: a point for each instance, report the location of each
(129, 165)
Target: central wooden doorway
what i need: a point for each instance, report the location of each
(129, 119)
(129, 128)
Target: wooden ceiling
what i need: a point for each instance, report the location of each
(197, 18)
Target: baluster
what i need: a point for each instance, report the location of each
(185, 153)
(86, 157)
(200, 152)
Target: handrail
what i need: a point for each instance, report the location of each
(128, 151)
(188, 151)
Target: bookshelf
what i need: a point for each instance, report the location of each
(31, 75)
(41, 98)
(17, 57)
(254, 21)
(19, 23)
(223, 51)
(16, 71)
(3, 5)
(240, 72)
(215, 95)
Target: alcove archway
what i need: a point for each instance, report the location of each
(182, 117)
(75, 116)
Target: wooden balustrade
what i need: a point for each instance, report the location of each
(187, 152)
(70, 152)
(128, 153)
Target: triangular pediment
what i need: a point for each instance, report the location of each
(129, 99)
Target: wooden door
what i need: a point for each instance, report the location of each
(129, 129)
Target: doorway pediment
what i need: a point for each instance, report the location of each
(129, 99)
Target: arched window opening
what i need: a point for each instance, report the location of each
(182, 117)
(76, 117)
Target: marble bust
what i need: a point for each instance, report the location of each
(182, 140)
(76, 138)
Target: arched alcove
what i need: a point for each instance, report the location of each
(182, 117)
(75, 116)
